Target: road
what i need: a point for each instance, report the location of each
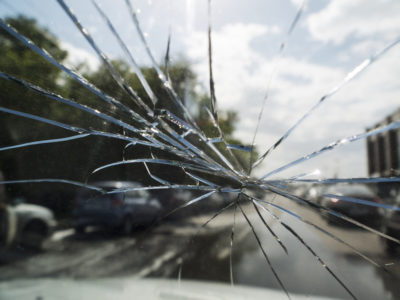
(184, 249)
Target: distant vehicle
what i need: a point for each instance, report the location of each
(391, 226)
(117, 210)
(29, 224)
(360, 212)
(314, 193)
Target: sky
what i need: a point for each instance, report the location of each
(331, 39)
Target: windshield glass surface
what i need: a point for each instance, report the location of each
(245, 148)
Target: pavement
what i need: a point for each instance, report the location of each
(185, 250)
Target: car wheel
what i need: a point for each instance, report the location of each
(127, 226)
(34, 234)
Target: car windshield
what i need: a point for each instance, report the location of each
(236, 147)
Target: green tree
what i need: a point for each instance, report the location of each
(16, 59)
(76, 159)
(184, 82)
(48, 161)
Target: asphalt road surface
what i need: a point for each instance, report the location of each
(183, 249)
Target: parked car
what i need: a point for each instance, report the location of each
(27, 224)
(360, 212)
(114, 211)
(391, 226)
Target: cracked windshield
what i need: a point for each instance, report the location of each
(199, 149)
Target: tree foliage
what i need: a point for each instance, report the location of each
(49, 161)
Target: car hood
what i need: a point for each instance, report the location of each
(133, 288)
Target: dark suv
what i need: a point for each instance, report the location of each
(115, 210)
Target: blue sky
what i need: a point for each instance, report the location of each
(331, 38)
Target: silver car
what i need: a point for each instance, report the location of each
(115, 210)
(27, 224)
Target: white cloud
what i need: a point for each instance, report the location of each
(78, 55)
(367, 47)
(234, 59)
(241, 76)
(298, 3)
(342, 18)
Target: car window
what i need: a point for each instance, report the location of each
(260, 138)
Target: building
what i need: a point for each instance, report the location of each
(383, 152)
